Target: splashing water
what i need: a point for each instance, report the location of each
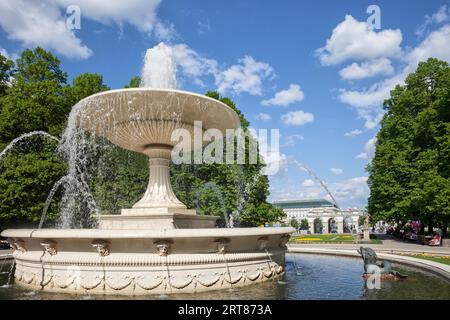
(50, 196)
(159, 69)
(303, 167)
(77, 205)
(23, 137)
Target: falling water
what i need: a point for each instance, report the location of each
(159, 69)
(77, 204)
(26, 136)
(50, 198)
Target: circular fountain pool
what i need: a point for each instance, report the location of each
(307, 277)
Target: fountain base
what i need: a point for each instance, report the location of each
(140, 262)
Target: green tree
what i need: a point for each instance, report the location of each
(135, 82)
(6, 72)
(83, 86)
(293, 223)
(304, 224)
(243, 189)
(38, 98)
(27, 174)
(35, 100)
(409, 174)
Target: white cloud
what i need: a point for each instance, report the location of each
(297, 118)
(368, 102)
(291, 140)
(40, 24)
(7, 55)
(246, 76)
(263, 117)
(353, 133)
(352, 39)
(43, 23)
(138, 13)
(285, 97)
(442, 15)
(369, 150)
(192, 64)
(164, 31)
(367, 69)
(349, 193)
(435, 45)
(336, 171)
(308, 183)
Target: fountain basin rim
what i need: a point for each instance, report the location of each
(173, 91)
(139, 234)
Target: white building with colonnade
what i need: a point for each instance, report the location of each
(322, 215)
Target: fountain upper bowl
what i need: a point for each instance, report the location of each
(137, 118)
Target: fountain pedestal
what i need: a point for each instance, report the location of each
(159, 208)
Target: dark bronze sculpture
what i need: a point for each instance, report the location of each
(371, 265)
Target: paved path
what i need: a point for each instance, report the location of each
(390, 245)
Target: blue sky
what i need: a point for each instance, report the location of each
(311, 69)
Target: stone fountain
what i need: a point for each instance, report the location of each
(158, 246)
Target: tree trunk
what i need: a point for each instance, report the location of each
(430, 228)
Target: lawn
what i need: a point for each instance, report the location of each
(440, 259)
(329, 238)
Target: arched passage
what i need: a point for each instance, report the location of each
(332, 226)
(347, 224)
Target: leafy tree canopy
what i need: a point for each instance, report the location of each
(409, 174)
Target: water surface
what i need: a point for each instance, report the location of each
(307, 277)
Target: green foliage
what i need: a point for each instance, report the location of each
(293, 223)
(6, 71)
(119, 177)
(409, 174)
(27, 175)
(243, 189)
(135, 82)
(260, 214)
(304, 225)
(83, 86)
(35, 100)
